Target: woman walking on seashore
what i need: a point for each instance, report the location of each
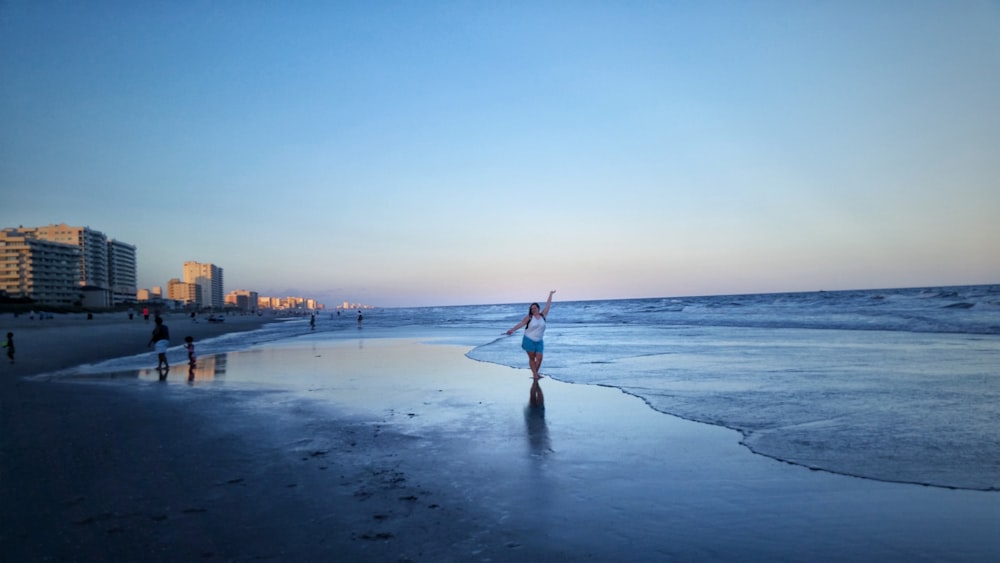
(534, 331)
(161, 339)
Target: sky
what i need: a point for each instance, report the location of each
(443, 153)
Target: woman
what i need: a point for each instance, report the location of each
(161, 340)
(534, 331)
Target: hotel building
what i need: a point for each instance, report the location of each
(183, 292)
(46, 272)
(123, 279)
(105, 268)
(93, 264)
(209, 277)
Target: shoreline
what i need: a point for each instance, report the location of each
(413, 452)
(70, 340)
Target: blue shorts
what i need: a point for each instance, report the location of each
(530, 345)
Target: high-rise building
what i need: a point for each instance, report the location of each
(106, 268)
(187, 293)
(93, 247)
(209, 277)
(122, 277)
(45, 271)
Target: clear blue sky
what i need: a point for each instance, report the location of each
(434, 153)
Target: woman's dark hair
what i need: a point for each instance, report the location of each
(529, 314)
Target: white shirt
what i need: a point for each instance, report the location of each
(536, 329)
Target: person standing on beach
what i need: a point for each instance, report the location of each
(161, 339)
(359, 318)
(534, 331)
(9, 345)
(189, 345)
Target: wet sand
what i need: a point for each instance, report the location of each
(415, 453)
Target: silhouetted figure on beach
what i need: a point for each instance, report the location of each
(360, 317)
(161, 340)
(9, 345)
(534, 332)
(189, 346)
(312, 322)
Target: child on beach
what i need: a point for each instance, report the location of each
(189, 344)
(9, 345)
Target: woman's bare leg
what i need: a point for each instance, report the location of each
(537, 366)
(533, 364)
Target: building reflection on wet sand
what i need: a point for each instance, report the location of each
(207, 368)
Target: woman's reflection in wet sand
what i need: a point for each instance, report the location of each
(534, 418)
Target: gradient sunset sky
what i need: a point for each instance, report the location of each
(436, 153)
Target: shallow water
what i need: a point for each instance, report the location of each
(896, 385)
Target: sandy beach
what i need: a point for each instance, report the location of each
(64, 341)
(410, 451)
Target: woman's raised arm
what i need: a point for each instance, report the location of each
(548, 303)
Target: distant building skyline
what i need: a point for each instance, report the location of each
(290, 303)
(244, 300)
(64, 265)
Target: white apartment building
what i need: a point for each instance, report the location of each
(105, 269)
(209, 277)
(42, 270)
(122, 277)
(93, 246)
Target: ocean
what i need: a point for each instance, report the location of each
(899, 385)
